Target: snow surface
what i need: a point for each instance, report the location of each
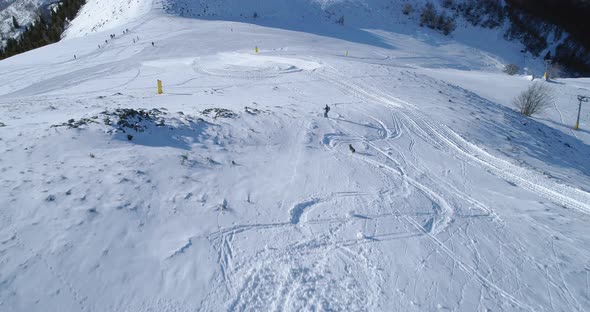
(452, 201)
(101, 15)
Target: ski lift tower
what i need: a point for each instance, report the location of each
(524, 52)
(581, 98)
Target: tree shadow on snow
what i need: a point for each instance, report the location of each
(358, 26)
(178, 133)
(309, 18)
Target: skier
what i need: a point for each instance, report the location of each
(153, 44)
(74, 56)
(352, 150)
(326, 110)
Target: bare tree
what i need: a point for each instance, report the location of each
(554, 71)
(511, 69)
(429, 15)
(407, 9)
(534, 99)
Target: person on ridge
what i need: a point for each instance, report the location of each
(326, 110)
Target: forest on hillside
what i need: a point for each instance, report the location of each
(530, 23)
(572, 15)
(46, 29)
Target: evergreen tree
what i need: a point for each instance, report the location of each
(42, 31)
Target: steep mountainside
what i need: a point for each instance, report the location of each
(24, 11)
(540, 36)
(548, 29)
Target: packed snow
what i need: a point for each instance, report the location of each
(232, 192)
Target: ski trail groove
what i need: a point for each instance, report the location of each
(465, 267)
(445, 216)
(444, 138)
(299, 209)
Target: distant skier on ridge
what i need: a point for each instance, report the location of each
(326, 110)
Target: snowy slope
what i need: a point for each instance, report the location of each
(231, 191)
(363, 22)
(360, 17)
(102, 15)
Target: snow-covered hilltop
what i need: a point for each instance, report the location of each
(422, 189)
(543, 35)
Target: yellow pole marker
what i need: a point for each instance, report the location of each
(160, 87)
(256, 49)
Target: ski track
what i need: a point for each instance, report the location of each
(273, 278)
(298, 274)
(251, 282)
(443, 137)
(297, 211)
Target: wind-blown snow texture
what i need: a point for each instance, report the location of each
(231, 191)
